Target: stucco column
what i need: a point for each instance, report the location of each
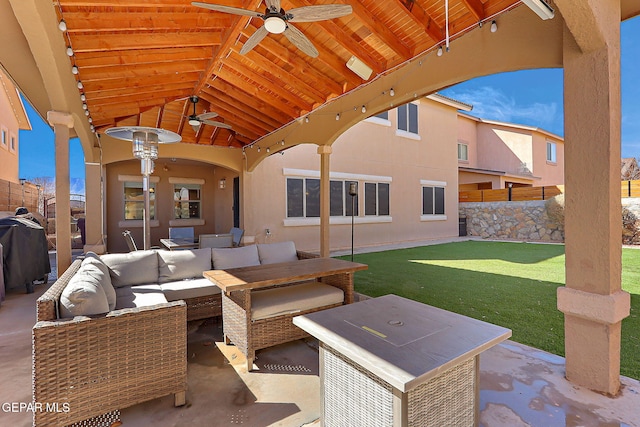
(93, 208)
(325, 154)
(592, 301)
(61, 123)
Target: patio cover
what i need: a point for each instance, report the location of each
(25, 255)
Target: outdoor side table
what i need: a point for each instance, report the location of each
(390, 361)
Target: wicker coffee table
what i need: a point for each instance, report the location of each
(390, 361)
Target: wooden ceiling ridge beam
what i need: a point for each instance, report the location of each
(220, 85)
(426, 22)
(287, 78)
(228, 41)
(303, 66)
(263, 81)
(381, 30)
(224, 98)
(348, 43)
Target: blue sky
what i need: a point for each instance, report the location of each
(529, 97)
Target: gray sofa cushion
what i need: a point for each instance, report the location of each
(184, 289)
(177, 265)
(133, 268)
(84, 294)
(292, 299)
(243, 256)
(139, 296)
(271, 253)
(103, 277)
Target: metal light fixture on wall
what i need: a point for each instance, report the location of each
(145, 147)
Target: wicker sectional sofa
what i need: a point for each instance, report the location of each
(111, 331)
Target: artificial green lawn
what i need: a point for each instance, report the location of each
(508, 284)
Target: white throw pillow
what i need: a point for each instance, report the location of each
(103, 276)
(133, 268)
(243, 256)
(178, 265)
(83, 295)
(271, 253)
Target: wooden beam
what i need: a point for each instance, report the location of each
(381, 31)
(119, 41)
(423, 20)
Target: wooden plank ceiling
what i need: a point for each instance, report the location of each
(140, 60)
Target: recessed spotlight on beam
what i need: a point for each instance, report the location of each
(540, 7)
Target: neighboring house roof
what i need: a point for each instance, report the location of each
(458, 105)
(15, 101)
(512, 125)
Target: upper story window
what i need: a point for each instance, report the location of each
(4, 138)
(13, 144)
(187, 201)
(376, 198)
(408, 118)
(134, 200)
(463, 152)
(551, 152)
(384, 115)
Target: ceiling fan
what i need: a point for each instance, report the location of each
(195, 120)
(277, 21)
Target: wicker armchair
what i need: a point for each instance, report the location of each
(99, 364)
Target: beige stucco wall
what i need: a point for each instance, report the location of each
(216, 205)
(9, 126)
(549, 173)
(367, 150)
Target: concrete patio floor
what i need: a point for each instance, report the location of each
(520, 385)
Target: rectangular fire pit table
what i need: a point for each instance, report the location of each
(391, 361)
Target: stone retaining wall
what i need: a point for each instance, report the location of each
(527, 221)
(536, 220)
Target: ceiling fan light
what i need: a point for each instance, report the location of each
(194, 122)
(275, 25)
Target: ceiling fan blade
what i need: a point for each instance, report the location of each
(273, 5)
(209, 115)
(216, 124)
(319, 12)
(254, 40)
(195, 128)
(301, 41)
(227, 9)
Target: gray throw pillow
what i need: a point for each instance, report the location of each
(133, 268)
(271, 253)
(103, 276)
(84, 295)
(243, 256)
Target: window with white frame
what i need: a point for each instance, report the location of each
(376, 198)
(13, 144)
(408, 118)
(187, 201)
(432, 199)
(303, 198)
(134, 200)
(551, 152)
(4, 138)
(463, 151)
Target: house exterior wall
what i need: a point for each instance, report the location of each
(216, 203)
(370, 151)
(505, 153)
(9, 127)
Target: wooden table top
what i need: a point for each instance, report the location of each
(404, 342)
(259, 276)
(179, 243)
